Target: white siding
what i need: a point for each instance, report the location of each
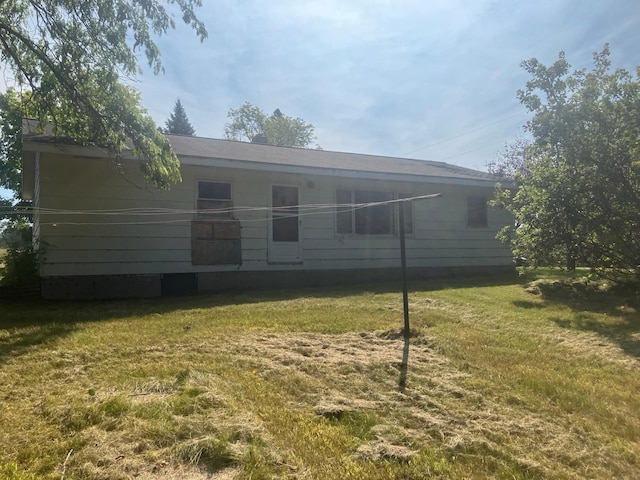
(78, 240)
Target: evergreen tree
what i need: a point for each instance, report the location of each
(178, 123)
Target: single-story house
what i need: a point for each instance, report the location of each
(250, 215)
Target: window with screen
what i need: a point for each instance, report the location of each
(214, 200)
(370, 212)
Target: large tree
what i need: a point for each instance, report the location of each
(178, 122)
(250, 123)
(578, 194)
(13, 107)
(72, 57)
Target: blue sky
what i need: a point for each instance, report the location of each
(423, 79)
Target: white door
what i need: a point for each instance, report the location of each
(284, 225)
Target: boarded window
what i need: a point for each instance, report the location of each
(215, 242)
(215, 235)
(477, 211)
(214, 200)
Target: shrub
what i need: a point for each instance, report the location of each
(21, 260)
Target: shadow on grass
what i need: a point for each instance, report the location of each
(26, 323)
(618, 309)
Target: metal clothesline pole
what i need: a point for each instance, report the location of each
(403, 262)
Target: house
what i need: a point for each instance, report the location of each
(251, 215)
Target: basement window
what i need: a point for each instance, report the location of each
(214, 200)
(477, 211)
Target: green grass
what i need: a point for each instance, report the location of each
(511, 378)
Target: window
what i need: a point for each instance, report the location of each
(407, 210)
(215, 234)
(477, 211)
(214, 200)
(376, 219)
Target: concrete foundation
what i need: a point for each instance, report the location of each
(141, 286)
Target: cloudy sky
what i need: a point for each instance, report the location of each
(426, 79)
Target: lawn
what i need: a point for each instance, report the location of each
(534, 377)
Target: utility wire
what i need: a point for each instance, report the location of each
(448, 139)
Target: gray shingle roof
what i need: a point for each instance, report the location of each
(210, 148)
(252, 152)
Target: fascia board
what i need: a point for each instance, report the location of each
(331, 172)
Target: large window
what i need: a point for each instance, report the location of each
(477, 211)
(368, 212)
(214, 200)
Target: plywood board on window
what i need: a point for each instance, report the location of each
(216, 252)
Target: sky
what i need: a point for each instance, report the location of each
(424, 79)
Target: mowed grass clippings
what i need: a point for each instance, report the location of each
(528, 378)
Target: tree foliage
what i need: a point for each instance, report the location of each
(13, 107)
(578, 195)
(513, 160)
(178, 123)
(249, 122)
(72, 57)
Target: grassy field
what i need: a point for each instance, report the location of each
(519, 378)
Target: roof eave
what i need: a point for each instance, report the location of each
(332, 172)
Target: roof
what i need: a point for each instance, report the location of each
(215, 152)
(197, 147)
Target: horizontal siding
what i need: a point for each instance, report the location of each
(85, 244)
(118, 242)
(116, 256)
(170, 230)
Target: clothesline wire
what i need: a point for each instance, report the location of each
(281, 212)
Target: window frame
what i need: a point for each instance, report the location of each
(221, 202)
(477, 211)
(348, 219)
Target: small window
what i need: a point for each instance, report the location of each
(214, 200)
(477, 211)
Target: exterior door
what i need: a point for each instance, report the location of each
(284, 234)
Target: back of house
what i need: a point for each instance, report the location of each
(249, 216)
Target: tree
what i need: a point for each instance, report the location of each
(13, 107)
(248, 122)
(513, 160)
(579, 200)
(72, 55)
(178, 123)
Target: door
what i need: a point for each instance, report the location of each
(284, 235)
